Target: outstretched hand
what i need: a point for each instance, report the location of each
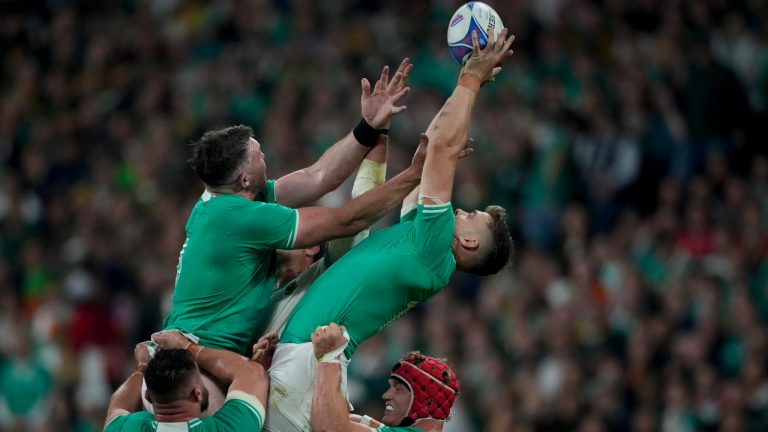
(485, 63)
(264, 349)
(380, 105)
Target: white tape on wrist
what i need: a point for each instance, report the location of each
(336, 356)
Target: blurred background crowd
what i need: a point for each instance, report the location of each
(625, 137)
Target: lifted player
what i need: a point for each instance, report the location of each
(401, 266)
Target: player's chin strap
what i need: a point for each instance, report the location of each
(336, 356)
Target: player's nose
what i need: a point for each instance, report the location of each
(460, 212)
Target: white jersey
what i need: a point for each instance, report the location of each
(285, 298)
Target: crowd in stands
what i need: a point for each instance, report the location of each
(626, 138)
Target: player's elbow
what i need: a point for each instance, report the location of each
(447, 144)
(447, 140)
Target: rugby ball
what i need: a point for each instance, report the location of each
(471, 16)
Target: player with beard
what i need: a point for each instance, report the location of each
(227, 264)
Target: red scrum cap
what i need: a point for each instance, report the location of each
(432, 384)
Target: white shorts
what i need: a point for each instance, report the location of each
(292, 377)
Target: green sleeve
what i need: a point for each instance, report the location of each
(116, 425)
(267, 226)
(433, 230)
(411, 215)
(268, 194)
(137, 421)
(236, 415)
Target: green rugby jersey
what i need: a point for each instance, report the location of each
(380, 279)
(226, 268)
(241, 412)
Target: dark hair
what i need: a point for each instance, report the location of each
(321, 253)
(502, 245)
(168, 375)
(218, 153)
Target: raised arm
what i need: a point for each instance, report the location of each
(127, 398)
(330, 412)
(307, 185)
(234, 370)
(372, 173)
(319, 224)
(449, 129)
(411, 201)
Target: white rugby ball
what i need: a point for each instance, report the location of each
(471, 16)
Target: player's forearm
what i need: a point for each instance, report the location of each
(338, 163)
(128, 396)
(307, 185)
(450, 127)
(329, 408)
(224, 365)
(372, 205)
(379, 152)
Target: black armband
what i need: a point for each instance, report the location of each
(366, 135)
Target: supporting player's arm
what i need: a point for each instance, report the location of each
(372, 173)
(411, 201)
(127, 398)
(330, 412)
(305, 186)
(449, 129)
(319, 224)
(234, 370)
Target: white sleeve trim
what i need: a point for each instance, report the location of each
(294, 233)
(252, 401)
(438, 202)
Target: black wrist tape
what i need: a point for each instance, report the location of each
(366, 135)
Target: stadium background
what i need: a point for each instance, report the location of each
(626, 138)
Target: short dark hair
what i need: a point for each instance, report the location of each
(218, 153)
(168, 374)
(502, 245)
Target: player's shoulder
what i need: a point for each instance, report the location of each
(242, 410)
(235, 209)
(137, 421)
